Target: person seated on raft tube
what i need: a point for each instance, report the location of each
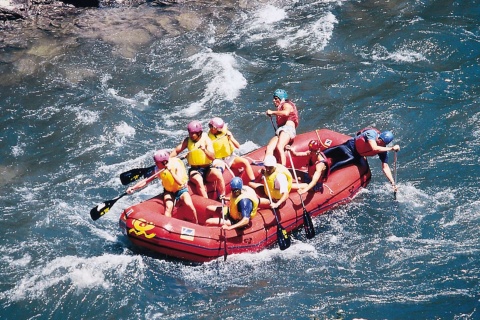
(200, 157)
(173, 174)
(224, 144)
(366, 143)
(317, 167)
(287, 123)
(279, 183)
(243, 207)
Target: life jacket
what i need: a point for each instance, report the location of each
(195, 156)
(362, 146)
(169, 184)
(222, 146)
(275, 193)
(312, 167)
(247, 193)
(293, 116)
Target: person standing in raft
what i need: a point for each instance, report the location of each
(318, 165)
(224, 144)
(366, 143)
(243, 207)
(279, 183)
(200, 157)
(287, 123)
(173, 174)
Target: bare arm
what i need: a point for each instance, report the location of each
(182, 146)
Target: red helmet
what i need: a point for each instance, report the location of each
(314, 145)
(217, 123)
(194, 127)
(161, 156)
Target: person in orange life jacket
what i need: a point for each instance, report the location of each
(287, 122)
(200, 158)
(224, 145)
(366, 143)
(243, 207)
(317, 167)
(174, 180)
(279, 183)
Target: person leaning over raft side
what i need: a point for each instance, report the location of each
(287, 122)
(317, 167)
(243, 207)
(174, 180)
(366, 143)
(224, 145)
(279, 183)
(200, 158)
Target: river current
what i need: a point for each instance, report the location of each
(98, 96)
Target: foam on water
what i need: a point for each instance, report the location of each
(224, 81)
(78, 273)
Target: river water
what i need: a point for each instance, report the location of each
(81, 104)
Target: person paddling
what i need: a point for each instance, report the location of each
(278, 181)
(367, 142)
(243, 207)
(224, 145)
(200, 157)
(317, 167)
(287, 122)
(173, 174)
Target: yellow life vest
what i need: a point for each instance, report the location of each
(197, 157)
(169, 184)
(247, 193)
(275, 193)
(222, 146)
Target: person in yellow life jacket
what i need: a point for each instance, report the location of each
(224, 144)
(173, 174)
(287, 123)
(279, 183)
(366, 143)
(243, 207)
(200, 157)
(317, 167)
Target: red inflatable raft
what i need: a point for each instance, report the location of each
(146, 226)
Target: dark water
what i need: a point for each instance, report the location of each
(82, 105)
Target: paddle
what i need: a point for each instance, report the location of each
(104, 207)
(224, 231)
(395, 175)
(135, 174)
(282, 236)
(307, 219)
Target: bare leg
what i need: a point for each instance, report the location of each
(216, 175)
(271, 146)
(283, 140)
(197, 180)
(187, 200)
(168, 204)
(240, 162)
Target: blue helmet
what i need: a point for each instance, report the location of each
(386, 136)
(236, 183)
(280, 93)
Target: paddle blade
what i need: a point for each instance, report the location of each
(283, 238)
(103, 208)
(135, 174)
(308, 225)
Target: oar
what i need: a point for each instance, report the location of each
(307, 219)
(104, 207)
(395, 175)
(282, 235)
(224, 231)
(273, 125)
(135, 174)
